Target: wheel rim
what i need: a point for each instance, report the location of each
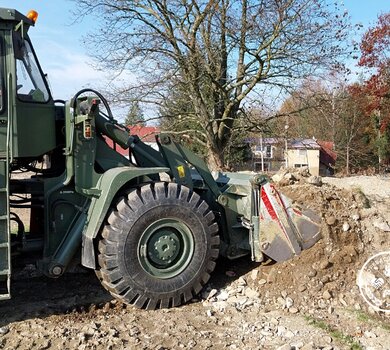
(166, 248)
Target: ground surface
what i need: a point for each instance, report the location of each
(310, 302)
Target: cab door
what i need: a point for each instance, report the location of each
(34, 114)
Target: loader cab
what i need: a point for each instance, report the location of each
(26, 102)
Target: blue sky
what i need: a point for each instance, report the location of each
(58, 40)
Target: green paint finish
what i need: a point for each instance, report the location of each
(109, 184)
(166, 248)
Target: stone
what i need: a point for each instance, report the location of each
(280, 331)
(346, 227)
(281, 301)
(241, 281)
(312, 273)
(4, 330)
(254, 274)
(327, 339)
(369, 334)
(251, 293)
(324, 264)
(284, 347)
(322, 304)
(330, 220)
(277, 177)
(262, 281)
(309, 346)
(293, 310)
(381, 225)
(211, 294)
(289, 334)
(289, 302)
(356, 217)
(220, 305)
(315, 180)
(297, 345)
(223, 295)
(301, 288)
(326, 295)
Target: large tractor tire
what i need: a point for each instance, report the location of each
(158, 247)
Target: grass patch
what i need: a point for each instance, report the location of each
(334, 333)
(366, 318)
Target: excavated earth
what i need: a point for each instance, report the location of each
(309, 302)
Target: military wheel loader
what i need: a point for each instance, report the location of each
(151, 224)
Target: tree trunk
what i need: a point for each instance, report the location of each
(215, 158)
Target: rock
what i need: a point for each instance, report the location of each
(309, 346)
(312, 273)
(293, 310)
(284, 347)
(346, 226)
(322, 304)
(315, 180)
(223, 295)
(289, 334)
(220, 305)
(262, 281)
(284, 294)
(280, 331)
(330, 220)
(4, 330)
(381, 225)
(301, 288)
(289, 302)
(326, 295)
(297, 345)
(250, 293)
(327, 339)
(209, 313)
(356, 217)
(277, 177)
(254, 274)
(369, 334)
(211, 294)
(241, 281)
(324, 264)
(281, 301)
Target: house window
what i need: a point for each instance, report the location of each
(300, 165)
(268, 151)
(301, 152)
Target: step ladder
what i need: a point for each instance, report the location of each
(5, 239)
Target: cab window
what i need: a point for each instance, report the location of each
(31, 84)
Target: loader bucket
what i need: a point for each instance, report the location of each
(285, 229)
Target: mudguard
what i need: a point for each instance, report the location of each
(109, 184)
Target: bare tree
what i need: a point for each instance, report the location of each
(217, 52)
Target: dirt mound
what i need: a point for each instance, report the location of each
(324, 277)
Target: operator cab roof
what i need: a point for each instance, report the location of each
(14, 16)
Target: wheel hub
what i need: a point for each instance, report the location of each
(166, 248)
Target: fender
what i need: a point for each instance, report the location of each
(109, 184)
